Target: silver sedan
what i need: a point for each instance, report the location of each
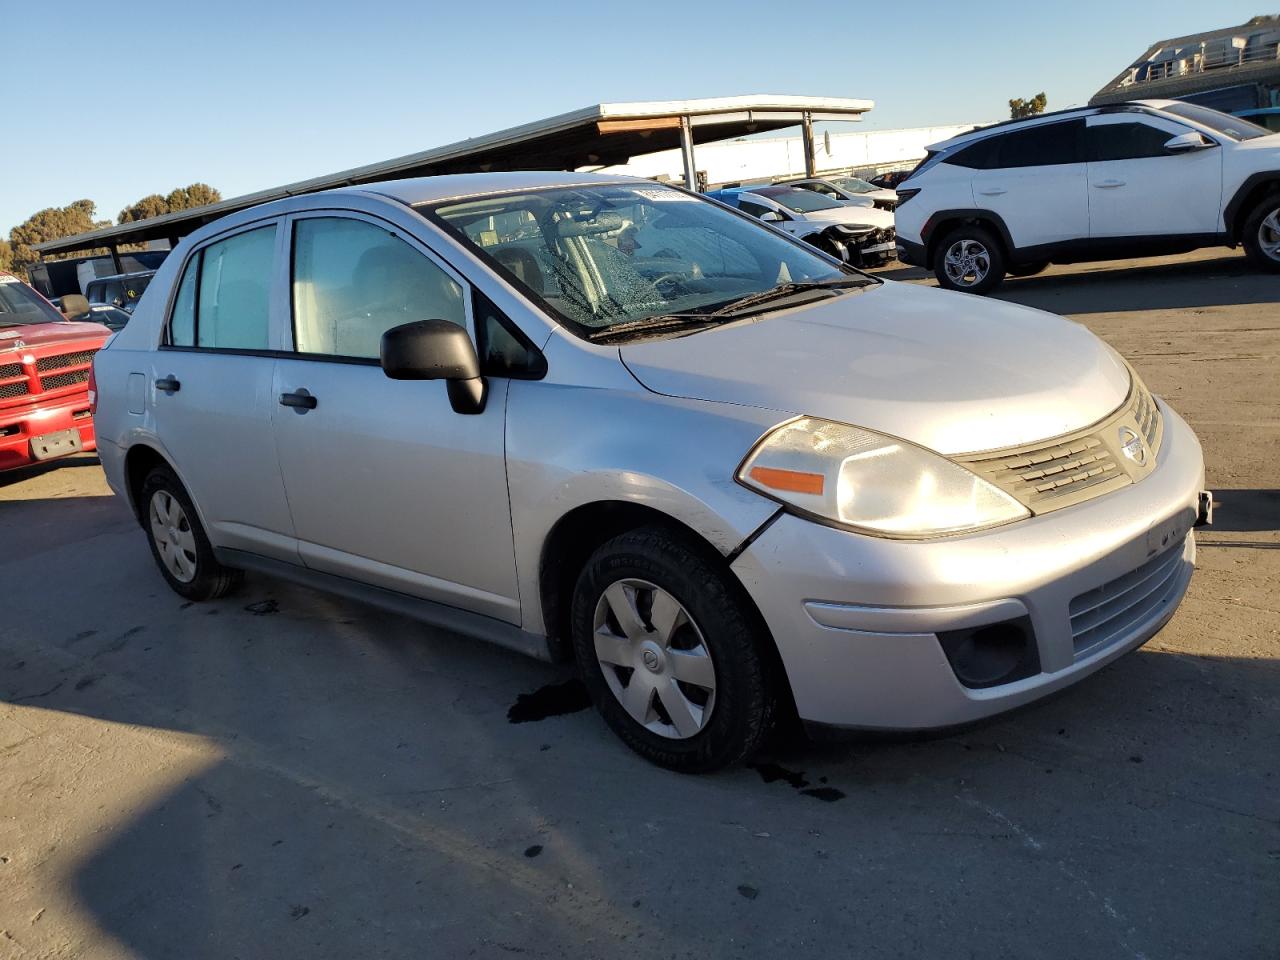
(607, 420)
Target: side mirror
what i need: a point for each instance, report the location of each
(1188, 141)
(771, 216)
(436, 350)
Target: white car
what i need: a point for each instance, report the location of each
(1134, 179)
(852, 190)
(860, 235)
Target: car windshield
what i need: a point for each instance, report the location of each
(615, 254)
(20, 304)
(798, 200)
(854, 185)
(1223, 123)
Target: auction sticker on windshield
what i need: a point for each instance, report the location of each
(664, 196)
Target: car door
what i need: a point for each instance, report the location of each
(387, 484)
(1034, 179)
(211, 391)
(1139, 188)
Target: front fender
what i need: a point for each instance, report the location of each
(569, 446)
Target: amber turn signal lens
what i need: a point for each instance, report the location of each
(790, 480)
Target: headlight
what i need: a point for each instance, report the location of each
(872, 483)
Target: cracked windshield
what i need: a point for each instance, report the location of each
(607, 257)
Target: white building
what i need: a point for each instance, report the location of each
(762, 158)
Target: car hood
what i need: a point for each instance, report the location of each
(851, 214)
(35, 335)
(949, 371)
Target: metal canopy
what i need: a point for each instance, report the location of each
(601, 135)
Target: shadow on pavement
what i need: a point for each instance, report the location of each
(1245, 511)
(372, 799)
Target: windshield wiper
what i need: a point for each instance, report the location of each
(664, 321)
(785, 290)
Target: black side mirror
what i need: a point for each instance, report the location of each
(436, 350)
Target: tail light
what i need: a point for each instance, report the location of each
(905, 195)
(93, 393)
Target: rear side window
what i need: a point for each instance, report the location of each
(353, 281)
(223, 299)
(1048, 145)
(1125, 141)
(232, 301)
(755, 209)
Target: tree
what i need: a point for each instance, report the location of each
(183, 198)
(52, 223)
(1019, 108)
(6, 257)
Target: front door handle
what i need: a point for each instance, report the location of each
(1108, 184)
(169, 384)
(301, 400)
(993, 191)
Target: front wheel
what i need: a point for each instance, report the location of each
(1262, 233)
(969, 259)
(673, 656)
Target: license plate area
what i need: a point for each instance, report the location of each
(58, 444)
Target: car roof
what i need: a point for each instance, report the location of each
(978, 133)
(417, 190)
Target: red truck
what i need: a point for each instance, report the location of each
(45, 366)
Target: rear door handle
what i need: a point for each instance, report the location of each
(1108, 184)
(169, 384)
(993, 191)
(301, 400)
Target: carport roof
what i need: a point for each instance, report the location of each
(603, 134)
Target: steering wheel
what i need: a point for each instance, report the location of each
(675, 284)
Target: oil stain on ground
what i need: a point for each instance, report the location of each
(553, 700)
(772, 773)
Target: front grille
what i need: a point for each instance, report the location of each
(1116, 608)
(10, 390)
(889, 205)
(63, 360)
(59, 380)
(1067, 470)
(8, 370)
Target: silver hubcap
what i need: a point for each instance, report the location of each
(171, 530)
(967, 263)
(654, 658)
(1269, 235)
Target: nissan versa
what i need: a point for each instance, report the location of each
(604, 418)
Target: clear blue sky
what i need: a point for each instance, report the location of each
(115, 100)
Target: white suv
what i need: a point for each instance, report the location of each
(1141, 178)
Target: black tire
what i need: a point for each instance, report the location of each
(738, 644)
(1028, 269)
(993, 253)
(1253, 226)
(211, 579)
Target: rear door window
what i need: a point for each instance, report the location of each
(233, 297)
(1047, 145)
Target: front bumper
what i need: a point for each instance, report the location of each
(911, 253)
(856, 618)
(19, 427)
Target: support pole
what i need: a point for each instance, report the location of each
(115, 259)
(810, 163)
(686, 148)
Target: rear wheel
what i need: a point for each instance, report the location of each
(673, 657)
(178, 541)
(1028, 269)
(1262, 233)
(969, 258)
